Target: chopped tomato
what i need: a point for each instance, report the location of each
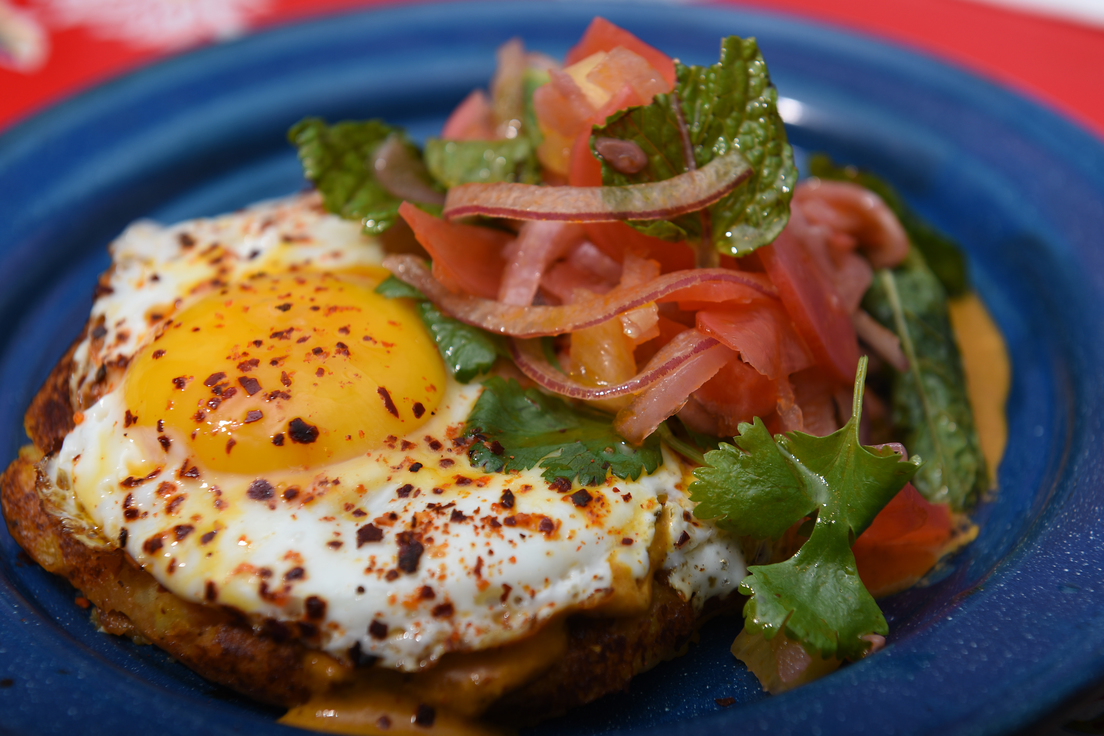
(668, 328)
(737, 393)
(814, 394)
(601, 35)
(813, 305)
(472, 119)
(760, 332)
(905, 541)
(465, 257)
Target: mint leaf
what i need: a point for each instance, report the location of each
(517, 429)
(463, 162)
(336, 157)
(467, 351)
(731, 104)
(763, 485)
(931, 409)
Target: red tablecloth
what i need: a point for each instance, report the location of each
(63, 46)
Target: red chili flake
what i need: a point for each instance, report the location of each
(315, 608)
(230, 445)
(683, 539)
(282, 334)
(129, 419)
(627, 541)
(250, 384)
(160, 425)
(214, 379)
(419, 410)
(153, 544)
(410, 552)
(457, 515)
(387, 402)
(626, 497)
(253, 415)
(497, 448)
(426, 593)
(158, 354)
(186, 240)
(188, 472)
(408, 445)
(415, 467)
(404, 491)
(304, 338)
(228, 392)
(320, 372)
(462, 480)
(260, 490)
(358, 513)
(123, 535)
(180, 531)
(335, 544)
(341, 349)
(130, 481)
(210, 593)
(181, 381)
(164, 441)
(446, 462)
(546, 525)
(507, 499)
(129, 512)
(367, 534)
(247, 365)
(478, 569)
(392, 574)
(258, 343)
(505, 593)
(363, 659)
(438, 491)
(208, 536)
(377, 629)
(317, 351)
(174, 504)
(443, 610)
(295, 573)
(301, 432)
(510, 521)
(494, 523)
(199, 416)
(291, 493)
(581, 497)
(284, 378)
(343, 330)
(383, 723)
(284, 307)
(686, 516)
(278, 439)
(560, 485)
(724, 702)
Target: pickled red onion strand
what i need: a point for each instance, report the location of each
(896, 447)
(881, 339)
(686, 192)
(538, 244)
(401, 174)
(685, 346)
(665, 397)
(538, 321)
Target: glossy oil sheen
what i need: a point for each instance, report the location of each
(1006, 632)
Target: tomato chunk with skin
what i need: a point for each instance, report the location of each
(812, 303)
(904, 541)
(601, 35)
(465, 257)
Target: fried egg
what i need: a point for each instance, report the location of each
(261, 430)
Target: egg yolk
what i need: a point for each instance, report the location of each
(286, 371)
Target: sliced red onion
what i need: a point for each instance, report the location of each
(538, 321)
(538, 244)
(667, 395)
(896, 447)
(847, 207)
(687, 192)
(687, 345)
(401, 174)
(881, 339)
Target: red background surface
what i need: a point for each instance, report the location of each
(1059, 63)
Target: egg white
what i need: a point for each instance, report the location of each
(455, 559)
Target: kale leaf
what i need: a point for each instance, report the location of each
(763, 485)
(516, 429)
(730, 105)
(467, 351)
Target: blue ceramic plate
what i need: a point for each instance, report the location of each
(1015, 626)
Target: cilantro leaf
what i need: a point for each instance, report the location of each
(467, 351)
(517, 429)
(463, 162)
(763, 485)
(730, 105)
(336, 157)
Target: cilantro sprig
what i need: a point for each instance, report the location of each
(517, 429)
(467, 351)
(763, 485)
(713, 110)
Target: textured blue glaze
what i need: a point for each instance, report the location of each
(1007, 630)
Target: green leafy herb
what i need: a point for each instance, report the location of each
(931, 409)
(764, 485)
(463, 162)
(942, 254)
(517, 429)
(336, 159)
(467, 351)
(730, 105)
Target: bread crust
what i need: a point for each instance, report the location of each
(269, 663)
